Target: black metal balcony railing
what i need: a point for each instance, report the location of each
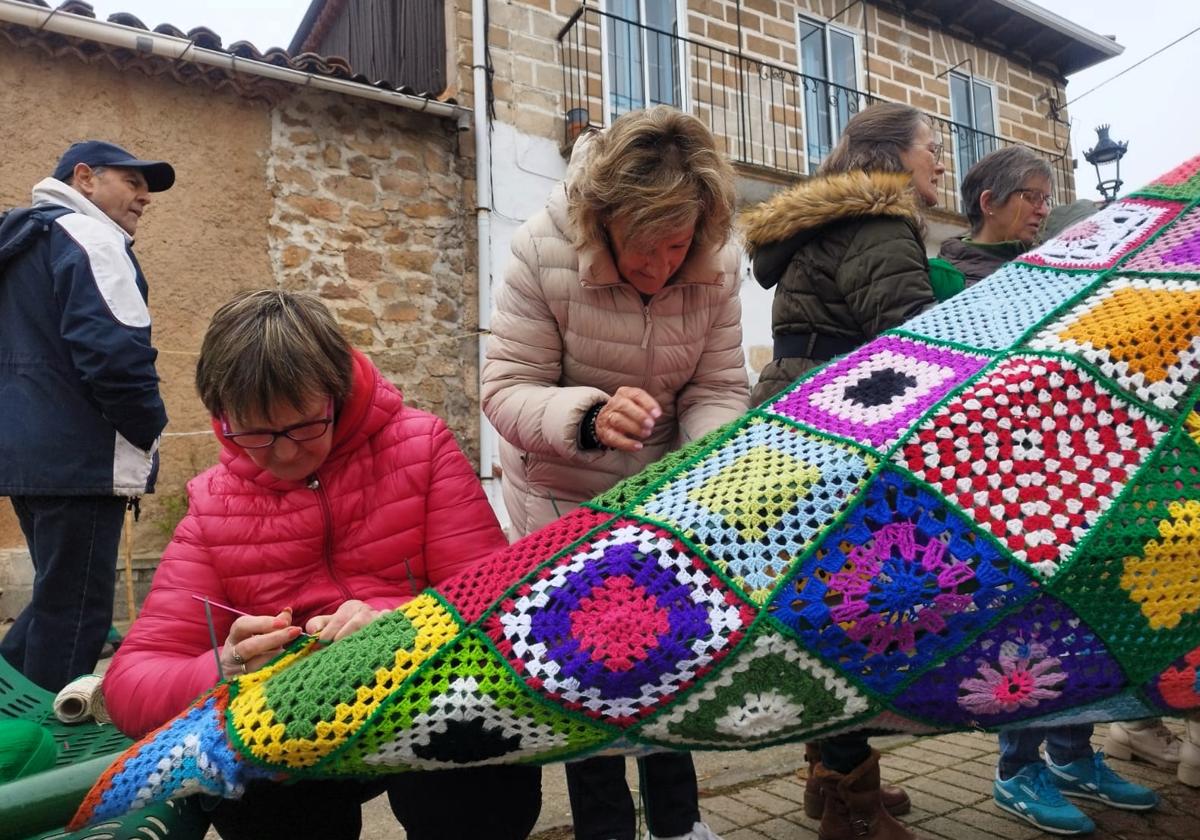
(764, 114)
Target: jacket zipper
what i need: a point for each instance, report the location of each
(649, 325)
(314, 484)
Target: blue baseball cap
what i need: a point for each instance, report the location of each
(158, 174)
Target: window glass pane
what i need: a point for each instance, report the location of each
(624, 59)
(984, 119)
(818, 140)
(960, 100)
(844, 98)
(661, 52)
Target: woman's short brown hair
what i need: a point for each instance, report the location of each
(656, 169)
(268, 347)
(1003, 171)
(874, 139)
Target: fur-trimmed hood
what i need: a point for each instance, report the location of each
(816, 202)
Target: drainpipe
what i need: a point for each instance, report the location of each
(145, 42)
(483, 219)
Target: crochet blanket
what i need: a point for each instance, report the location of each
(989, 518)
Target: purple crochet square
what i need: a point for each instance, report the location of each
(879, 391)
(1176, 251)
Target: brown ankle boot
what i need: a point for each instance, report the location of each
(895, 800)
(852, 808)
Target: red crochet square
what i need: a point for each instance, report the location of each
(473, 591)
(1035, 451)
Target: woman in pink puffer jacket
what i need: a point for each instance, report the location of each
(333, 502)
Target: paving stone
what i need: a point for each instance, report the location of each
(912, 761)
(968, 781)
(955, 830)
(978, 742)
(948, 747)
(922, 756)
(763, 801)
(928, 802)
(939, 788)
(736, 812)
(745, 834)
(792, 789)
(717, 821)
(781, 829)
(990, 818)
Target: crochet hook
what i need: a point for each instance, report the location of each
(233, 610)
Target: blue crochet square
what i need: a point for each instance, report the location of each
(900, 584)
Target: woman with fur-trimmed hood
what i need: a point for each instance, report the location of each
(844, 250)
(845, 254)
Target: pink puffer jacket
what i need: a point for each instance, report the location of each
(397, 507)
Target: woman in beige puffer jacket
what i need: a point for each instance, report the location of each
(616, 338)
(568, 330)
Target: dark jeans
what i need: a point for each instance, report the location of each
(493, 802)
(602, 806)
(1064, 744)
(73, 541)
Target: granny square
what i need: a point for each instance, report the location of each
(876, 393)
(996, 313)
(755, 504)
(619, 626)
(1176, 251)
(1004, 447)
(1101, 240)
(1142, 332)
(900, 584)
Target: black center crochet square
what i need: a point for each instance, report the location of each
(879, 388)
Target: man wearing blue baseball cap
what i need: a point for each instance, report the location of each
(82, 412)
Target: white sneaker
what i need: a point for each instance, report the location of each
(700, 831)
(1149, 740)
(1189, 756)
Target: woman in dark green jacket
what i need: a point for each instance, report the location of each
(844, 250)
(845, 254)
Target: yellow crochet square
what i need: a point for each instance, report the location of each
(1166, 579)
(255, 722)
(754, 492)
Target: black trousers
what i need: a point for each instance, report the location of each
(493, 802)
(842, 753)
(73, 541)
(602, 807)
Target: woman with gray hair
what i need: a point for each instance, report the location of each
(1006, 197)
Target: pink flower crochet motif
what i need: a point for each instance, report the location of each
(1027, 676)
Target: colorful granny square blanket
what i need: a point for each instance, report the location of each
(989, 518)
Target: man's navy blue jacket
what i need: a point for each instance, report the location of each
(80, 411)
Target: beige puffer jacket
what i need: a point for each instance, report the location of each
(567, 331)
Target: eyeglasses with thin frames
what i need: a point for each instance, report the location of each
(936, 150)
(262, 438)
(1036, 198)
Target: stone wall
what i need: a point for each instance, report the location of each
(373, 211)
(365, 203)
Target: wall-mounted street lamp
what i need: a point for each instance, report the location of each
(1103, 156)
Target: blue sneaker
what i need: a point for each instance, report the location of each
(1091, 778)
(1033, 796)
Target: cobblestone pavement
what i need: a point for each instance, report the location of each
(758, 796)
(949, 779)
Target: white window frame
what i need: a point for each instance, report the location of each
(859, 69)
(681, 57)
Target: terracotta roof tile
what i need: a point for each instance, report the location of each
(332, 66)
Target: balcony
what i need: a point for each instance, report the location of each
(764, 115)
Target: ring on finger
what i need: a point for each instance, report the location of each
(237, 658)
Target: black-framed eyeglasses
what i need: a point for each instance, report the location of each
(1036, 198)
(262, 438)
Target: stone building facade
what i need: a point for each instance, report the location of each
(366, 203)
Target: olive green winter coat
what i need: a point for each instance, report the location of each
(845, 256)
